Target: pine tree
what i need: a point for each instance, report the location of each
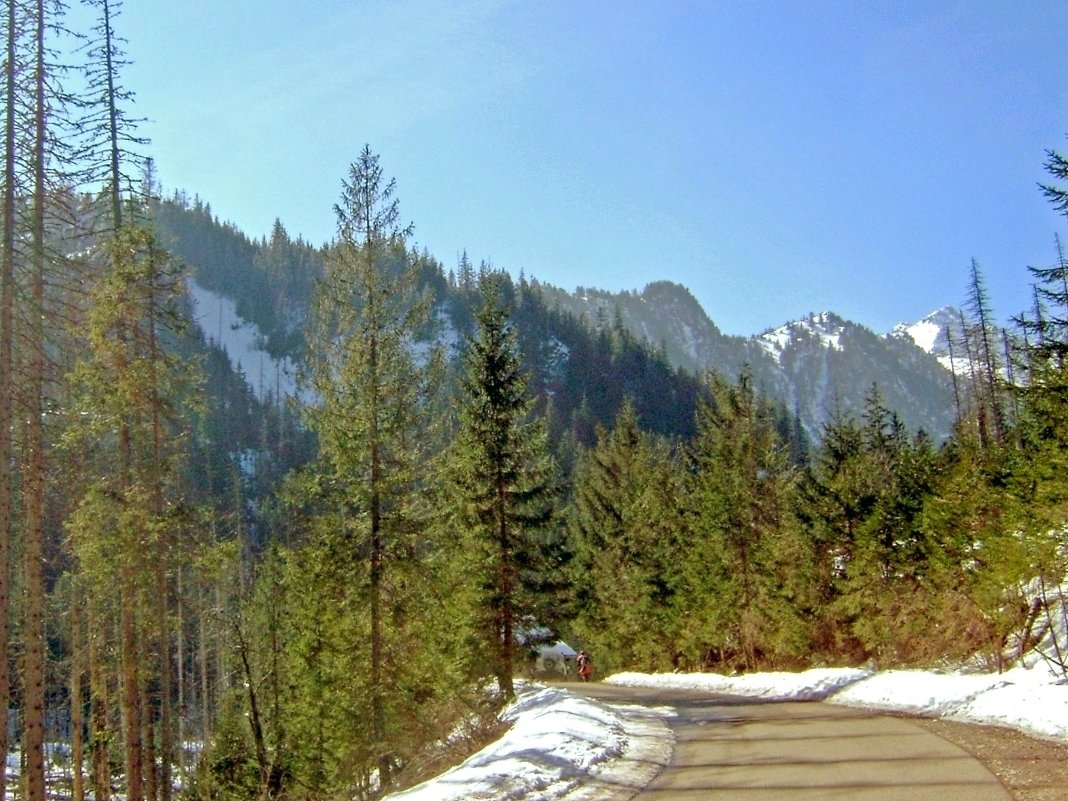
(465, 275)
(1039, 479)
(1044, 423)
(837, 495)
(738, 576)
(888, 586)
(127, 393)
(34, 447)
(125, 368)
(978, 553)
(980, 339)
(506, 487)
(870, 507)
(288, 270)
(625, 528)
(1057, 195)
(1047, 332)
(36, 194)
(110, 152)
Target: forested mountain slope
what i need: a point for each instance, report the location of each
(580, 373)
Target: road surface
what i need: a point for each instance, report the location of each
(749, 750)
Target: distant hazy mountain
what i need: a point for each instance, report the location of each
(826, 363)
(817, 366)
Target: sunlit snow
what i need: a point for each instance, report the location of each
(924, 333)
(560, 745)
(931, 335)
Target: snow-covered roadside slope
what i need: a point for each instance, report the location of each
(559, 744)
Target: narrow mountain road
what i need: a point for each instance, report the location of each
(751, 750)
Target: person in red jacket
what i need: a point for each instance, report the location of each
(585, 668)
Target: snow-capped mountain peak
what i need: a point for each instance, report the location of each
(825, 327)
(930, 333)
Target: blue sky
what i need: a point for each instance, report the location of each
(777, 158)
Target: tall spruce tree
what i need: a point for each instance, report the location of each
(1040, 482)
(886, 589)
(127, 397)
(110, 151)
(372, 427)
(1045, 422)
(506, 489)
(36, 192)
(121, 351)
(34, 446)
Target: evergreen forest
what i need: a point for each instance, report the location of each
(216, 590)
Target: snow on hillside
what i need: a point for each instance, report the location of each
(221, 325)
(775, 342)
(217, 318)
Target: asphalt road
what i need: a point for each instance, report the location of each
(748, 750)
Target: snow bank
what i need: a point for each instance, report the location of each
(917, 692)
(1038, 709)
(811, 685)
(558, 743)
(1030, 700)
(1034, 701)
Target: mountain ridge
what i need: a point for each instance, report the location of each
(820, 365)
(816, 367)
